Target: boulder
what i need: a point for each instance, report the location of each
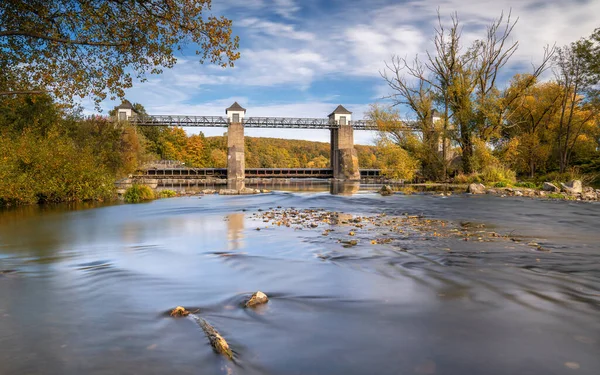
(386, 190)
(476, 189)
(548, 186)
(589, 194)
(209, 191)
(573, 187)
(257, 298)
(518, 193)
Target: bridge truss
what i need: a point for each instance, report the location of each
(250, 122)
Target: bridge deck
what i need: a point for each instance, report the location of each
(250, 122)
(221, 173)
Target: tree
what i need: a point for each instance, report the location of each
(95, 48)
(577, 74)
(462, 82)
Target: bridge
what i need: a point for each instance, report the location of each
(258, 173)
(343, 155)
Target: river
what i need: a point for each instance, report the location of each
(88, 289)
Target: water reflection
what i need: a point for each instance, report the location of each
(235, 231)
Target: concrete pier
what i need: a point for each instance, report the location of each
(236, 164)
(343, 155)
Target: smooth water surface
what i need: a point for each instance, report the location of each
(88, 291)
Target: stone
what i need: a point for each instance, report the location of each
(248, 191)
(228, 192)
(589, 194)
(548, 186)
(476, 189)
(573, 187)
(209, 191)
(265, 191)
(386, 190)
(258, 298)
(518, 193)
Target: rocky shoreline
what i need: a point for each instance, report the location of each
(573, 190)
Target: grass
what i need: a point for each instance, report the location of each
(167, 193)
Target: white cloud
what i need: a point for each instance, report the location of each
(276, 29)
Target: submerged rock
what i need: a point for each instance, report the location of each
(476, 189)
(257, 298)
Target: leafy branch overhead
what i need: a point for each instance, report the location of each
(96, 48)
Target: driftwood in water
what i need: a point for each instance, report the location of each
(214, 337)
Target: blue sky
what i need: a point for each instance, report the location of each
(301, 58)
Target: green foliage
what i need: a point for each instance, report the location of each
(167, 193)
(498, 173)
(138, 193)
(50, 155)
(501, 184)
(395, 162)
(556, 196)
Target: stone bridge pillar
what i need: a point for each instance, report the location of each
(343, 156)
(236, 164)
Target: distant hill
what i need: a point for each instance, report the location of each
(282, 153)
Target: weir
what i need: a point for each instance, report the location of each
(343, 155)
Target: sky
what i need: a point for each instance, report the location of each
(301, 58)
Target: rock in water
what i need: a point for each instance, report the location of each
(573, 187)
(386, 190)
(548, 186)
(257, 298)
(476, 189)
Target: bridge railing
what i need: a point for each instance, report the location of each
(250, 122)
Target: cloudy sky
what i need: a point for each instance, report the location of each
(301, 58)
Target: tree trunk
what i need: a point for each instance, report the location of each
(467, 149)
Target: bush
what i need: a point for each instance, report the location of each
(462, 178)
(501, 184)
(527, 184)
(167, 193)
(138, 193)
(498, 173)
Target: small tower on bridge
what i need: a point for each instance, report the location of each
(235, 113)
(125, 111)
(343, 156)
(236, 163)
(340, 116)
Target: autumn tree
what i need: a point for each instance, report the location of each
(463, 83)
(96, 48)
(577, 72)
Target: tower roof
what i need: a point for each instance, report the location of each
(340, 110)
(126, 104)
(235, 107)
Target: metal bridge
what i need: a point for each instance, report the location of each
(251, 122)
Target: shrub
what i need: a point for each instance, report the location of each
(462, 178)
(556, 196)
(500, 184)
(498, 173)
(527, 184)
(167, 193)
(138, 193)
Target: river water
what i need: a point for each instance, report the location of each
(88, 289)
